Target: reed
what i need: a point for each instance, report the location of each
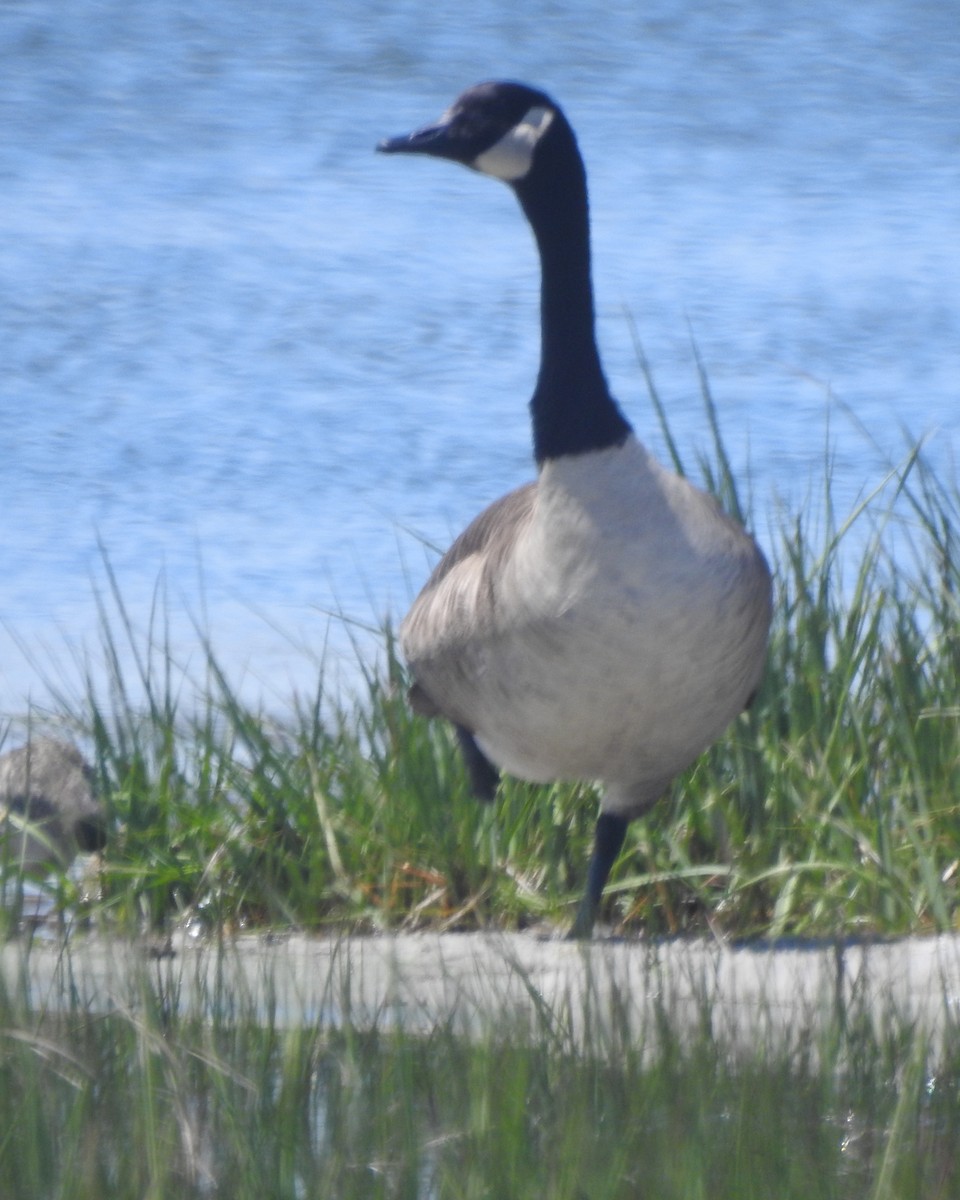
(157, 1098)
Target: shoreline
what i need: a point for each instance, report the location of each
(480, 983)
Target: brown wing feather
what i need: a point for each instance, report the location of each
(492, 533)
(489, 536)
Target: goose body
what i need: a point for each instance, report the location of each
(607, 621)
(48, 810)
(586, 645)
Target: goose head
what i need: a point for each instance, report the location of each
(517, 134)
(498, 129)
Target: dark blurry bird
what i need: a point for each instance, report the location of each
(607, 621)
(48, 810)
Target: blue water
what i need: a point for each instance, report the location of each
(251, 361)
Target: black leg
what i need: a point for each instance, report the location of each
(607, 844)
(484, 776)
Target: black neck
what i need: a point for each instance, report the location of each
(573, 411)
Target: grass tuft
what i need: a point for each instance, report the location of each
(832, 806)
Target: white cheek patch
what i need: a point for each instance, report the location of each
(510, 158)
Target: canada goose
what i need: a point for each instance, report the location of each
(48, 812)
(608, 621)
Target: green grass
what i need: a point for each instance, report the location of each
(156, 1100)
(832, 807)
